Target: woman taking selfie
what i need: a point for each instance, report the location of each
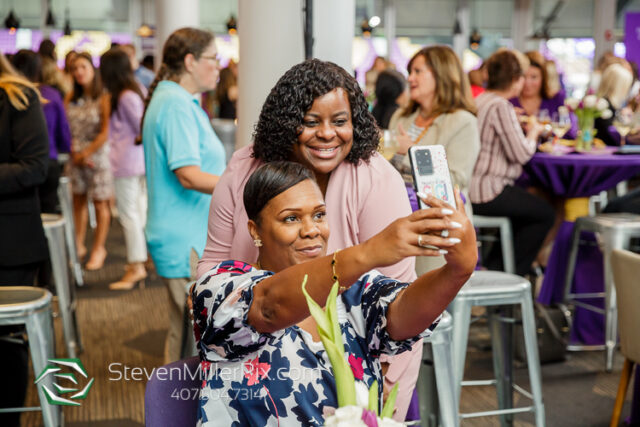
(252, 321)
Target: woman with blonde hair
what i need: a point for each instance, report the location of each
(614, 88)
(24, 155)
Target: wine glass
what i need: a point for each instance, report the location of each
(560, 124)
(388, 145)
(622, 122)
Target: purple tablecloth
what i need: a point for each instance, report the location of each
(578, 175)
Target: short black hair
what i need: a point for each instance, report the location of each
(283, 111)
(268, 181)
(29, 64)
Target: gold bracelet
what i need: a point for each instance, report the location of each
(334, 277)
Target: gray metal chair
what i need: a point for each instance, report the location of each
(615, 231)
(31, 306)
(440, 343)
(66, 205)
(54, 228)
(503, 224)
(493, 288)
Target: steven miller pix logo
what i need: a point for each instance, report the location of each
(53, 368)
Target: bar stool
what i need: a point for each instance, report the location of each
(31, 306)
(503, 224)
(440, 343)
(615, 230)
(54, 226)
(66, 205)
(494, 288)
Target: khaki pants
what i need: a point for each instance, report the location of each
(177, 304)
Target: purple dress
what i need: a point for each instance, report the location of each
(57, 124)
(551, 105)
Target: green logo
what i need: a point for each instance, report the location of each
(52, 369)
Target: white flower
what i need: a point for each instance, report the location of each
(602, 104)
(590, 101)
(606, 114)
(572, 103)
(362, 394)
(349, 413)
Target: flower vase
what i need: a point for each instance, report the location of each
(585, 139)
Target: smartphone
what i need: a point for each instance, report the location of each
(431, 174)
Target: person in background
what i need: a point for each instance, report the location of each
(24, 156)
(537, 97)
(142, 74)
(183, 161)
(47, 49)
(91, 177)
(127, 160)
(52, 76)
(317, 115)
(391, 94)
(227, 94)
(67, 71)
(441, 112)
(371, 76)
(28, 63)
(504, 148)
(148, 62)
(478, 79)
(614, 88)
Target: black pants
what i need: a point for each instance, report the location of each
(531, 219)
(14, 356)
(630, 203)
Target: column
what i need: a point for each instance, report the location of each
(333, 30)
(390, 24)
(271, 41)
(522, 23)
(171, 15)
(461, 41)
(604, 23)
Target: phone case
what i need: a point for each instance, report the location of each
(431, 172)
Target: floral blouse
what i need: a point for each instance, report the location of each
(283, 378)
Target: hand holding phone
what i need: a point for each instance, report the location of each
(431, 173)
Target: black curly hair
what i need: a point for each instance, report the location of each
(283, 111)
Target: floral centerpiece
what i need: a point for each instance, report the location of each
(357, 404)
(587, 110)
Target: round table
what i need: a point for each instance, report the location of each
(569, 176)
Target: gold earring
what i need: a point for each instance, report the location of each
(257, 242)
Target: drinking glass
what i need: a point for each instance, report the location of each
(623, 122)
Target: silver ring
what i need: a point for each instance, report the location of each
(420, 241)
(445, 233)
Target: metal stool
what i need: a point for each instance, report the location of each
(54, 226)
(31, 306)
(503, 224)
(493, 288)
(440, 343)
(615, 230)
(66, 205)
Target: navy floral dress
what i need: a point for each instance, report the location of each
(283, 378)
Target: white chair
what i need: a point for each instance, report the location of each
(626, 271)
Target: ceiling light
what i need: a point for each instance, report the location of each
(374, 21)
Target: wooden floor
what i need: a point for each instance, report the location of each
(127, 330)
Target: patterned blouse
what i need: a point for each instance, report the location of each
(283, 378)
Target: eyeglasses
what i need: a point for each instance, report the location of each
(212, 57)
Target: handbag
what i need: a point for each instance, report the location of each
(552, 333)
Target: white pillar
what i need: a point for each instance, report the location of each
(461, 41)
(135, 20)
(333, 31)
(604, 23)
(522, 24)
(271, 41)
(171, 15)
(390, 24)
